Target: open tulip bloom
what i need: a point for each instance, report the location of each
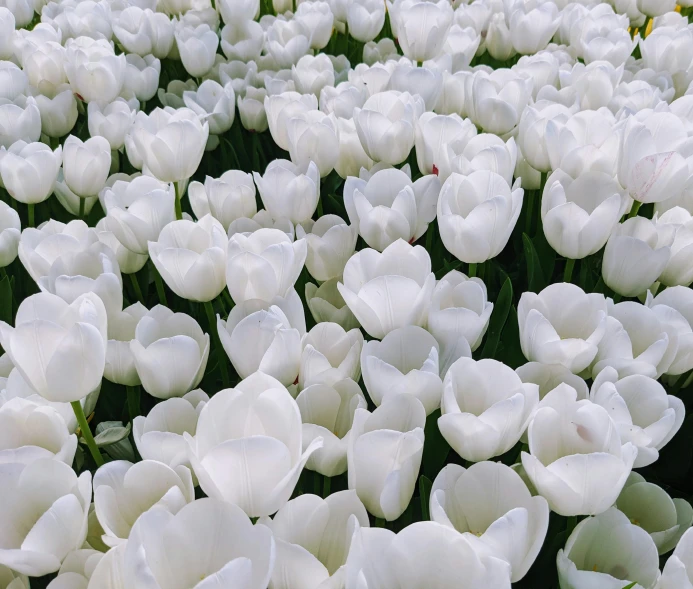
(346, 294)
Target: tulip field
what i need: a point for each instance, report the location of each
(346, 294)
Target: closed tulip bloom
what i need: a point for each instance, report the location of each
(531, 30)
(287, 41)
(477, 214)
(32, 431)
(379, 557)
(388, 206)
(44, 67)
(159, 435)
(144, 32)
(498, 42)
(678, 570)
(388, 290)
(59, 349)
(257, 424)
(342, 99)
(7, 22)
(314, 138)
(170, 351)
(532, 131)
(128, 261)
(289, 190)
(191, 258)
(58, 111)
(86, 165)
(648, 426)
(673, 308)
(10, 232)
(260, 220)
(92, 269)
(653, 8)
(120, 363)
(240, 554)
(577, 461)
(649, 507)
(352, 156)
(549, 376)
(213, 103)
(29, 170)
(112, 121)
(330, 354)
(263, 265)
(282, 107)
(312, 73)
(330, 244)
(679, 269)
(585, 561)
(251, 109)
(459, 308)
(490, 500)
(45, 506)
(326, 304)
(365, 19)
(120, 498)
(69, 200)
(14, 81)
(485, 408)
(197, 47)
(313, 536)
(173, 151)
(384, 454)
(94, 70)
(486, 152)
(439, 139)
(276, 344)
(137, 211)
(242, 40)
(141, 77)
(386, 125)
(227, 198)
(19, 120)
(579, 215)
(327, 412)
(423, 28)
(562, 325)
(636, 254)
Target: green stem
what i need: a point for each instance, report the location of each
(86, 432)
(221, 354)
(32, 221)
(82, 202)
(644, 27)
(530, 211)
(179, 207)
(472, 270)
(634, 209)
(568, 272)
(326, 487)
(379, 522)
(136, 287)
(133, 395)
(159, 286)
(429, 238)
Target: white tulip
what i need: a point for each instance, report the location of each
(260, 220)
(112, 121)
(677, 572)
(439, 140)
(29, 171)
(289, 190)
(120, 363)
(45, 67)
(45, 506)
(655, 8)
(531, 29)
(226, 198)
(251, 109)
(282, 107)
(576, 460)
(330, 244)
(673, 307)
(326, 304)
(58, 111)
(170, 352)
(94, 70)
(496, 101)
(532, 131)
(7, 22)
(120, 498)
(679, 269)
(388, 290)
(173, 95)
(422, 28)
(287, 41)
(585, 561)
(213, 103)
(10, 232)
(490, 500)
(487, 152)
(384, 454)
(313, 139)
(76, 569)
(59, 349)
(342, 99)
(312, 73)
(365, 19)
(20, 119)
(549, 376)
(330, 354)
(477, 214)
(242, 40)
(86, 165)
(197, 47)
(256, 424)
(144, 32)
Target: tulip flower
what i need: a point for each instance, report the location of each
(173, 95)
(246, 226)
(384, 454)
(45, 67)
(159, 435)
(386, 125)
(652, 8)
(532, 131)
(241, 553)
(137, 211)
(649, 426)
(120, 499)
(342, 99)
(677, 570)
(427, 83)
(330, 354)
(388, 206)
(14, 80)
(486, 152)
(108, 572)
(562, 325)
(229, 433)
(120, 363)
(490, 500)
(226, 198)
(255, 271)
(439, 140)
(330, 244)
(170, 352)
(326, 304)
(242, 40)
(549, 376)
(7, 22)
(679, 270)
(312, 73)
(57, 111)
(672, 307)
(86, 165)
(289, 190)
(423, 28)
(213, 103)
(382, 558)
(32, 432)
(10, 232)
(532, 29)
(313, 138)
(76, 569)
(144, 32)
(582, 470)
(251, 109)
(19, 120)
(477, 214)
(276, 349)
(281, 108)
(197, 47)
(649, 507)
(586, 561)
(404, 363)
(365, 19)
(498, 42)
(388, 290)
(94, 70)
(112, 121)
(59, 348)
(636, 341)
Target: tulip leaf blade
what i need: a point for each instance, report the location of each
(425, 486)
(436, 449)
(6, 308)
(113, 435)
(535, 275)
(498, 319)
(631, 585)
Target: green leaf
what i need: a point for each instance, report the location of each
(6, 300)
(436, 449)
(633, 584)
(498, 319)
(425, 486)
(113, 433)
(535, 275)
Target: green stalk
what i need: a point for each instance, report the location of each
(326, 487)
(159, 287)
(179, 207)
(136, 287)
(133, 395)
(568, 272)
(634, 209)
(86, 432)
(472, 270)
(82, 202)
(221, 355)
(32, 222)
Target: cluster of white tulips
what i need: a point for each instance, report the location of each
(346, 294)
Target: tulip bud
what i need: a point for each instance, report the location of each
(86, 164)
(120, 363)
(214, 104)
(141, 76)
(326, 304)
(94, 70)
(197, 47)
(242, 40)
(29, 171)
(113, 121)
(313, 138)
(10, 232)
(58, 111)
(499, 44)
(330, 244)
(144, 32)
(439, 139)
(21, 121)
(365, 19)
